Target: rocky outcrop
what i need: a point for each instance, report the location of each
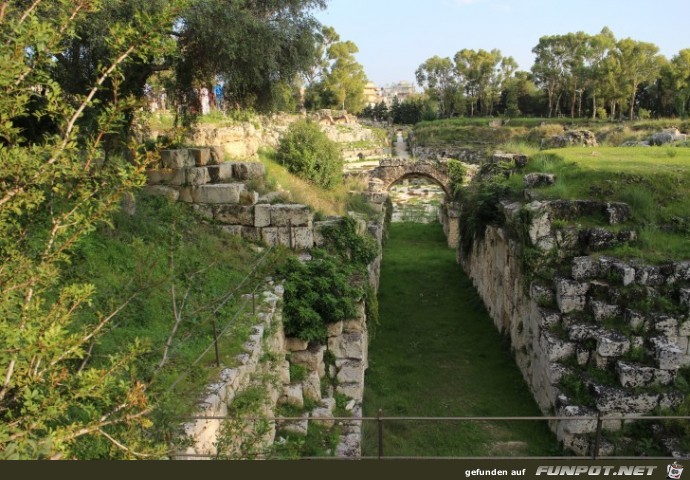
(668, 136)
(572, 138)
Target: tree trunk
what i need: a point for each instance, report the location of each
(632, 102)
(594, 106)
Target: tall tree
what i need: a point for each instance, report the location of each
(253, 45)
(437, 77)
(549, 69)
(639, 62)
(679, 76)
(346, 77)
(599, 47)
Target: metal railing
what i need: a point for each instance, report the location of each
(381, 420)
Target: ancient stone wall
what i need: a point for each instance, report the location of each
(600, 315)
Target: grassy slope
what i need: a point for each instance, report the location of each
(437, 353)
(654, 181)
(134, 257)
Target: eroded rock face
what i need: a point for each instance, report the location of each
(572, 138)
(537, 180)
(667, 136)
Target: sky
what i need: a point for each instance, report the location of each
(395, 37)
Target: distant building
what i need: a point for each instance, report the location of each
(372, 94)
(400, 90)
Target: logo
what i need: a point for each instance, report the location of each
(675, 471)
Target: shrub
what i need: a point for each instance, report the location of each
(457, 172)
(317, 293)
(308, 153)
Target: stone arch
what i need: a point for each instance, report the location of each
(390, 172)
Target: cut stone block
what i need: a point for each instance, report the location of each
(234, 215)
(201, 156)
(262, 215)
(169, 193)
(248, 170)
(218, 194)
(220, 173)
(176, 159)
(291, 215)
(197, 176)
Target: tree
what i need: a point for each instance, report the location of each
(483, 74)
(639, 63)
(55, 187)
(437, 77)
(599, 47)
(346, 78)
(678, 74)
(549, 68)
(252, 45)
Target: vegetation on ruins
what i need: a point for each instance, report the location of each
(307, 152)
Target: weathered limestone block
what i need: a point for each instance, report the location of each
(323, 416)
(685, 297)
(637, 321)
(270, 236)
(312, 387)
(581, 333)
(650, 276)
(603, 311)
(232, 230)
(204, 211)
(310, 358)
(221, 173)
(624, 272)
(671, 400)
(249, 197)
(577, 138)
(634, 376)
(293, 344)
(166, 177)
(251, 234)
(201, 156)
(217, 155)
(613, 400)
(349, 447)
(217, 194)
(585, 268)
(583, 355)
(549, 318)
(234, 215)
(291, 215)
(357, 324)
(297, 427)
(248, 170)
(670, 357)
(293, 395)
(351, 371)
(302, 238)
(352, 390)
(335, 329)
(170, 193)
(540, 226)
(612, 344)
(176, 159)
(555, 348)
(571, 295)
(537, 180)
(682, 271)
(283, 372)
(576, 426)
(600, 239)
(348, 345)
(262, 216)
(618, 213)
(667, 326)
(667, 136)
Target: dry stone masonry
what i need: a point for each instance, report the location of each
(601, 315)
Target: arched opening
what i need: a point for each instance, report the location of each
(417, 199)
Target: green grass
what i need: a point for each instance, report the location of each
(325, 202)
(136, 257)
(437, 353)
(653, 183)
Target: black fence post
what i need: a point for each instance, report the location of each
(597, 441)
(379, 423)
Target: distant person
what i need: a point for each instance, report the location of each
(205, 105)
(163, 99)
(218, 91)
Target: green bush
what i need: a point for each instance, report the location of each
(308, 153)
(317, 293)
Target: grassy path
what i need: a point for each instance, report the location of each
(437, 353)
